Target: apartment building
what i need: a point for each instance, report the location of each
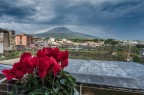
(23, 40)
(7, 39)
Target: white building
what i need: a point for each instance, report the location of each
(52, 39)
(64, 40)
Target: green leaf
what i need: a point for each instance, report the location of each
(59, 76)
(63, 81)
(36, 92)
(31, 84)
(56, 87)
(65, 92)
(59, 93)
(49, 92)
(49, 79)
(17, 88)
(65, 72)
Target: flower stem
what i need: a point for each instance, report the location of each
(43, 81)
(53, 80)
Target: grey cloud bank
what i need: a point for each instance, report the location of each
(121, 19)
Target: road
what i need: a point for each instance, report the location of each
(9, 61)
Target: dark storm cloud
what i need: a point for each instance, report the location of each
(80, 13)
(116, 16)
(11, 9)
(89, 14)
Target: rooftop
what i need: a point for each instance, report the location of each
(23, 34)
(5, 30)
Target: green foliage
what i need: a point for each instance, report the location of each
(120, 57)
(111, 42)
(62, 84)
(135, 50)
(140, 46)
(80, 40)
(137, 59)
(86, 40)
(96, 40)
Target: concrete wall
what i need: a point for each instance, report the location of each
(8, 39)
(1, 47)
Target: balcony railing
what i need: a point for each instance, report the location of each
(6, 86)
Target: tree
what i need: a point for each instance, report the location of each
(112, 42)
(120, 56)
(96, 40)
(140, 46)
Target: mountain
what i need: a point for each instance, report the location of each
(63, 32)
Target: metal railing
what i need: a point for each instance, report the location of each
(5, 86)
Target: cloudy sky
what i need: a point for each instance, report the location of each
(120, 19)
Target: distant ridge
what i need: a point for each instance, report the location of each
(63, 32)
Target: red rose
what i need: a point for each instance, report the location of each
(9, 74)
(46, 59)
(42, 52)
(35, 61)
(54, 52)
(18, 74)
(56, 66)
(63, 57)
(25, 54)
(19, 70)
(48, 50)
(19, 66)
(39, 53)
(64, 63)
(29, 65)
(43, 66)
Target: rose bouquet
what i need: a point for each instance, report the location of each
(42, 74)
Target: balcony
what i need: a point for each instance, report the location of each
(99, 77)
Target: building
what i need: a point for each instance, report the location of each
(7, 39)
(1, 47)
(35, 39)
(52, 39)
(23, 40)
